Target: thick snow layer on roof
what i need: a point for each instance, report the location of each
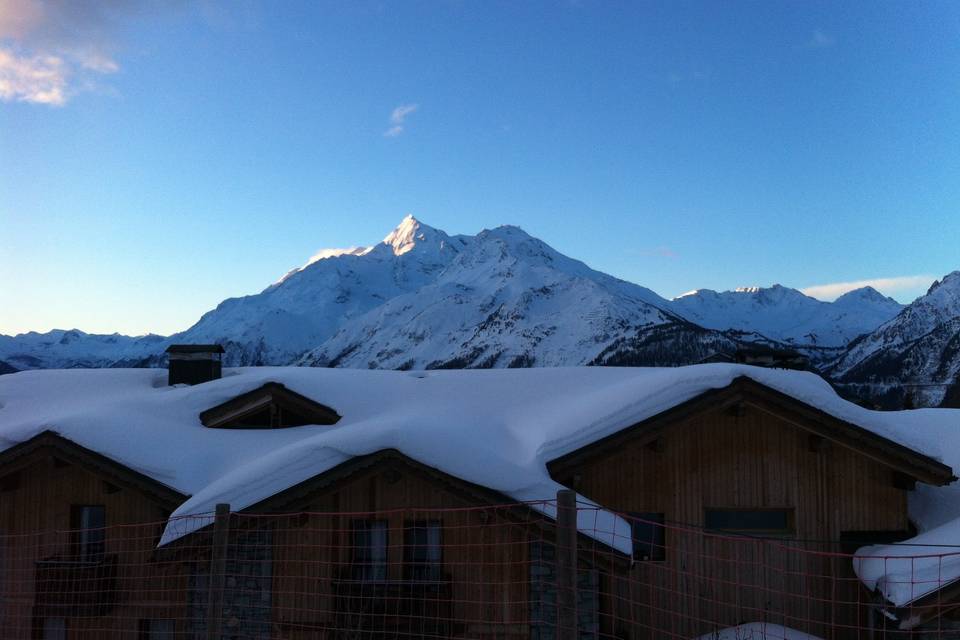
(904, 573)
(758, 631)
(907, 571)
(496, 428)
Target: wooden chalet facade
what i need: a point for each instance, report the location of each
(358, 561)
(747, 460)
(68, 585)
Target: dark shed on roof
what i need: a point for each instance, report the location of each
(193, 363)
(195, 348)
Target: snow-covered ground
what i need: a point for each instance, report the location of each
(758, 631)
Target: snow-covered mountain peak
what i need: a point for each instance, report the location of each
(947, 287)
(866, 294)
(919, 345)
(323, 254)
(774, 294)
(408, 233)
(786, 314)
(694, 292)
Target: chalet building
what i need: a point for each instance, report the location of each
(420, 501)
(66, 583)
(749, 460)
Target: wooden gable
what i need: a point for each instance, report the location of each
(272, 406)
(64, 451)
(744, 392)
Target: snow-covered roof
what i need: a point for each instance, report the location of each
(495, 428)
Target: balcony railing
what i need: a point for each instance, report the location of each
(394, 608)
(69, 587)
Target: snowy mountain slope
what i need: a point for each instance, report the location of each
(310, 304)
(507, 299)
(63, 349)
(424, 299)
(787, 315)
(920, 347)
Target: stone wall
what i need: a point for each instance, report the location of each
(543, 595)
(247, 595)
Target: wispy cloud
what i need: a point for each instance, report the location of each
(51, 49)
(38, 79)
(820, 39)
(887, 286)
(398, 119)
(657, 252)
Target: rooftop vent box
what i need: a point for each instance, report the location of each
(194, 363)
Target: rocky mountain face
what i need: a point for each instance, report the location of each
(915, 353)
(502, 298)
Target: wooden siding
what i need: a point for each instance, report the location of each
(747, 458)
(46, 488)
(485, 553)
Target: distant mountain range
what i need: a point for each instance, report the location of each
(424, 299)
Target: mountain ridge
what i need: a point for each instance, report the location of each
(422, 298)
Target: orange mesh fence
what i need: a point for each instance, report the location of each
(493, 572)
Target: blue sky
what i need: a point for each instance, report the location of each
(154, 161)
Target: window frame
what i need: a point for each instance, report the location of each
(366, 564)
(430, 567)
(62, 633)
(654, 521)
(788, 530)
(145, 630)
(88, 540)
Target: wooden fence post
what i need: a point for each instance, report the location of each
(566, 565)
(218, 571)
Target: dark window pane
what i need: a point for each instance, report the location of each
(158, 629)
(850, 541)
(422, 550)
(370, 543)
(54, 629)
(757, 520)
(89, 533)
(648, 536)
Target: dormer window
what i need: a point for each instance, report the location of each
(271, 406)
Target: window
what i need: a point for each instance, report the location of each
(756, 521)
(370, 543)
(10, 482)
(422, 550)
(88, 534)
(159, 629)
(850, 541)
(271, 406)
(648, 536)
(54, 629)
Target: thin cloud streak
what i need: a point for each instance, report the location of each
(398, 119)
(886, 286)
(819, 39)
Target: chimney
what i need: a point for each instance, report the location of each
(193, 363)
